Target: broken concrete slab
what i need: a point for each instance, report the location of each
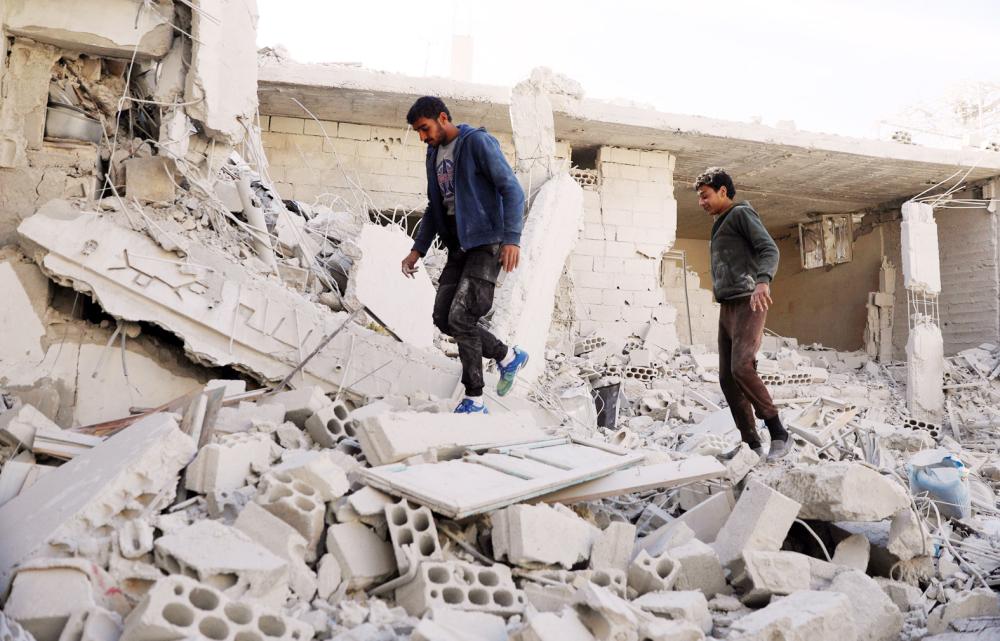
(117, 30)
(875, 616)
(804, 616)
(501, 476)
(134, 470)
(530, 535)
(641, 478)
(218, 308)
(221, 87)
(970, 603)
(552, 626)
(840, 491)
(283, 541)
(364, 558)
(391, 437)
(907, 537)
(685, 605)
(925, 371)
(25, 291)
(759, 521)
(441, 624)
(523, 311)
(227, 559)
(402, 304)
(225, 464)
(761, 575)
(178, 607)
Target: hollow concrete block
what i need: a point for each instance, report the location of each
(759, 521)
(462, 586)
(364, 558)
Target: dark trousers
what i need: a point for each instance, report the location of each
(464, 295)
(740, 333)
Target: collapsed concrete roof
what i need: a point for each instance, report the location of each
(787, 174)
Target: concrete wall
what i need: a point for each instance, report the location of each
(970, 288)
(387, 163)
(630, 220)
(704, 309)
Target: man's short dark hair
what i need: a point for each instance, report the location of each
(716, 177)
(427, 107)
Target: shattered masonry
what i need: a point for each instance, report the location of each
(224, 413)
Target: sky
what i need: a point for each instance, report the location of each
(829, 66)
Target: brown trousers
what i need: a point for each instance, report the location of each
(740, 333)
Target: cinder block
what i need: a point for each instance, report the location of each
(286, 125)
(226, 558)
(318, 470)
(364, 558)
(96, 624)
(243, 417)
(306, 144)
(322, 128)
(225, 464)
(614, 580)
(178, 607)
(613, 548)
(330, 424)
(281, 540)
(296, 503)
(760, 575)
(530, 534)
(31, 604)
(652, 574)
(462, 586)
(700, 568)
(299, 404)
(413, 526)
(760, 521)
(354, 132)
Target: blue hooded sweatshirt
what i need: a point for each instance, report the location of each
(489, 202)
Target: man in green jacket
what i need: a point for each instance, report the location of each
(744, 261)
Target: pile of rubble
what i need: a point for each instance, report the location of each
(226, 415)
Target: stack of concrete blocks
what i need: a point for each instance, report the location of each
(925, 345)
(704, 310)
(181, 608)
(628, 224)
(878, 330)
(462, 586)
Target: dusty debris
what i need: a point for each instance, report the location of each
(223, 410)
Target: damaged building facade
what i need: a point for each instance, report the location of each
(225, 414)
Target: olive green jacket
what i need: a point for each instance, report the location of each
(743, 253)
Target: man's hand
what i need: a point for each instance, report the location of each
(761, 298)
(410, 263)
(509, 256)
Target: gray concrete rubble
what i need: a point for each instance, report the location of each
(225, 414)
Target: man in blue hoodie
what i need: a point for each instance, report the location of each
(476, 207)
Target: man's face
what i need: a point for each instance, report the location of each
(711, 200)
(431, 130)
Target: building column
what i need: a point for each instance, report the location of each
(922, 281)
